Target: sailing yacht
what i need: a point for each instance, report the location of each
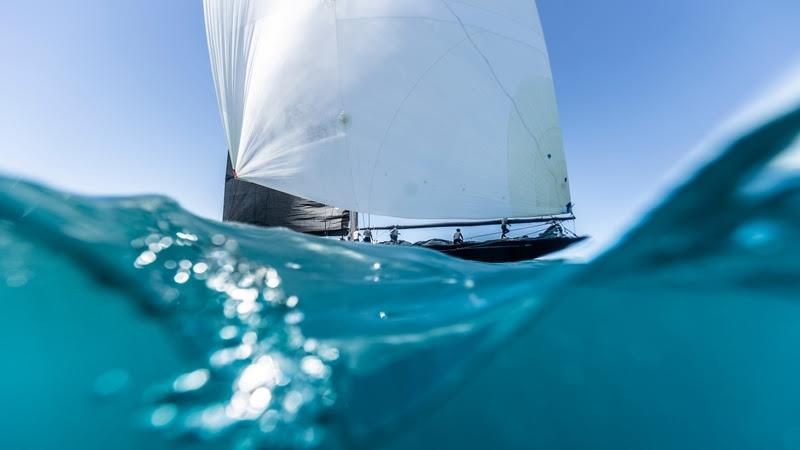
(415, 109)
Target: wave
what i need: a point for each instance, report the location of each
(136, 323)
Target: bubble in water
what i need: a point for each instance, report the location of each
(294, 318)
(191, 381)
(200, 268)
(17, 280)
(146, 258)
(292, 402)
(264, 372)
(758, 235)
(264, 379)
(228, 333)
(329, 353)
(477, 301)
(187, 236)
(314, 367)
(163, 415)
(310, 345)
(182, 277)
(260, 399)
(273, 279)
(111, 383)
(269, 421)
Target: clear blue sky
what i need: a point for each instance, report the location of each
(115, 97)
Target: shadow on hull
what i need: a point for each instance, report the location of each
(505, 250)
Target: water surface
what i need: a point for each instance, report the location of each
(130, 323)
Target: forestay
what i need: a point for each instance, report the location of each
(409, 108)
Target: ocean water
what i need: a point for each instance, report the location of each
(130, 324)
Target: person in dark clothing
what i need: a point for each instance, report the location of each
(504, 228)
(394, 235)
(368, 236)
(458, 238)
(554, 230)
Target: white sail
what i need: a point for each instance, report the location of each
(408, 108)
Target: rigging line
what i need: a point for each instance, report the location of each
(541, 226)
(494, 74)
(484, 235)
(509, 18)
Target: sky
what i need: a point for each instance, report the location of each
(116, 97)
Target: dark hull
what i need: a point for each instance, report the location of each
(507, 250)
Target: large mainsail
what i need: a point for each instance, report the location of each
(424, 109)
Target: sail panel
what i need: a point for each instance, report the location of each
(418, 109)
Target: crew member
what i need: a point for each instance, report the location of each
(368, 236)
(504, 229)
(458, 238)
(394, 235)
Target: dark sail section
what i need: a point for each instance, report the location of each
(257, 205)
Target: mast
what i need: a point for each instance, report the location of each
(353, 226)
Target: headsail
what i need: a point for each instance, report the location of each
(417, 108)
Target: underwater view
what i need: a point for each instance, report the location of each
(129, 323)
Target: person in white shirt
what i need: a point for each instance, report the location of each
(458, 238)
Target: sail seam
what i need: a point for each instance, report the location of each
(427, 19)
(499, 84)
(509, 18)
(414, 88)
(342, 104)
(252, 35)
(453, 22)
(400, 107)
(493, 73)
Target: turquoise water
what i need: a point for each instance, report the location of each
(130, 323)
